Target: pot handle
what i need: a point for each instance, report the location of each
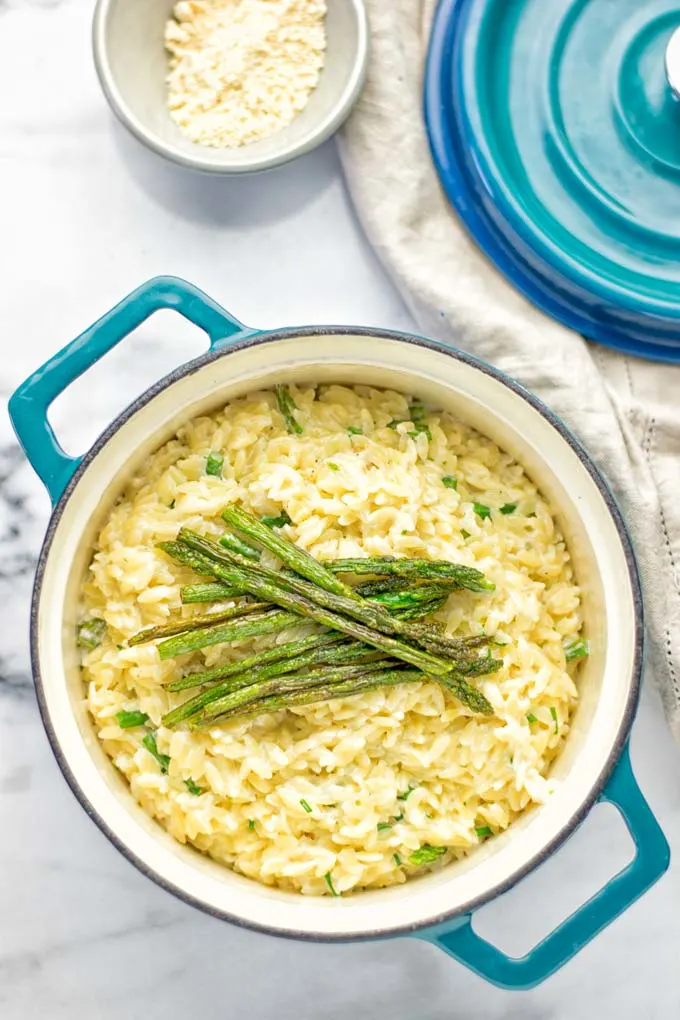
(30, 402)
(651, 860)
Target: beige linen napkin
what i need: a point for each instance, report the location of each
(626, 411)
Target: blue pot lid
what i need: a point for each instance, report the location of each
(555, 130)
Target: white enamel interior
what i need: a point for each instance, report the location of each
(484, 402)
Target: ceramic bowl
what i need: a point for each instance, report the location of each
(594, 763)
(132, 65)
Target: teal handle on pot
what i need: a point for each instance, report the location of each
(30, 403)
(651, 860)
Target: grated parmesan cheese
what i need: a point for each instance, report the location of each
(242, 69)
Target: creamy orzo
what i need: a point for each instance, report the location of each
(348, 789)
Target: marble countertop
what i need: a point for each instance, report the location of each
(86, 215)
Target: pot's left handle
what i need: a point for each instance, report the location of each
(30, 403)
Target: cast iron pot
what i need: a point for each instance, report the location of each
(594, 765)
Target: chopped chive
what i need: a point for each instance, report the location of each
(251, 825)
(399, 817)
(381, 826)
(427, 854)
(508, 508)
(482, 511)
(464, 533)
(163, 760)
(406, 794)
(286, 406)
(397, 860)
(193, 788)
(418, 422)
(305, 804)
(484, 831)
(329, 883)
(277, 522)
(128, 720)
(418, 417)
(576, 649)
(450, 482)
(531, 717)
(91, 633)
(214, 464)
(333, 466)
(171, 505)
(553, 712)
(354, 431)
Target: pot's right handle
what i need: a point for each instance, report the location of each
(651, 860)
(30, 403)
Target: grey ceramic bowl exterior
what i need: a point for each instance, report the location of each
(132, 65)
(594, 764)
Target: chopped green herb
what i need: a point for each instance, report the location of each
(171, 505)
(576, 649)
(397, 860)
(381, 826)
(418, 417)
(427, 854)
(286, 406)
(214, 464)
(404, 531)
(531, 717)
(406, 794)
(481, 510)
(354, 431)
(464, 533)
(508, 508)
(399, 817)
(277, 522)
(333, 466)
(90, 633)
(163, 760)
(553, 712)
(532, 514)
(128, 720)
(329, 883)
(251, 825)
(484, 831)
(450, 482)
(306, 805)
(193, 788)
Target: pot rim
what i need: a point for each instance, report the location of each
(270, 336)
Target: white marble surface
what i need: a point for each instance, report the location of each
(85, 216)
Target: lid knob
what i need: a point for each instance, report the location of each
(673, 63)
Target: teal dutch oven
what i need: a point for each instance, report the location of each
(594, 765)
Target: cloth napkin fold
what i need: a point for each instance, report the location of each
(626, 411)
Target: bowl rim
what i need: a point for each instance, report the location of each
(636, 667)
(332, 122)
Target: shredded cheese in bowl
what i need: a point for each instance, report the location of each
(242, 69)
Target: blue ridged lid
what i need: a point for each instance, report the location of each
(556, 135)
